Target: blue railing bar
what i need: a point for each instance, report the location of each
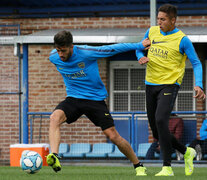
(132, 131)
(40, 129)
(131, 112)
(129, 127)
(25, 95)
(31, 130)
(20, 87)
(10, 25)
(39, 113)
(11, 93)
(136, 139)
(120, 116)
(189, 112)
(40, 116)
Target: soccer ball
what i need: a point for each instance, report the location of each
(31, 161)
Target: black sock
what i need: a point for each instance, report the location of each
(55, 154)
(138, 165)
(166, 164)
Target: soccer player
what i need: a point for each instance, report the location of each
(86, 92)
(164, 73)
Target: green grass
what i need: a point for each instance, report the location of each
(95, 173)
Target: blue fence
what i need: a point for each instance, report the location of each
(133, 126)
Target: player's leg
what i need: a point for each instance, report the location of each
(151, 151)
(165, 103)
(189, 154)
(167, 141)
(56, 119)
(98, 113)
(122, 144)
(126, 149)
(151, 104)
(66, 111)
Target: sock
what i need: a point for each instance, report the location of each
(166, 164)
(56, 154)
(138, 165)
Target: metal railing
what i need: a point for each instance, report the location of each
(132, 117)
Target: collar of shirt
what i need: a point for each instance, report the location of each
(169, 32)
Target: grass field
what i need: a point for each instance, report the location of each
(94, 173)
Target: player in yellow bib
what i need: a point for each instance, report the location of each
(164, 73)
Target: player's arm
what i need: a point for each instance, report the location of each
(110, 50)
(186, 47)
(142, 59)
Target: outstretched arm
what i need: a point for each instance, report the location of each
(95, 52)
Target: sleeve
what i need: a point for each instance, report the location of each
(203, 130)
(141, 53)
(186, 47)
(53, 55)
(109, 50)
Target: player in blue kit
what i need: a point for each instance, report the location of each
(86, 92)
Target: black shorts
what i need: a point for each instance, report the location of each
(96, 111)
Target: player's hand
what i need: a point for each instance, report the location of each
(146, 43)
(199, 93)
(143, 60)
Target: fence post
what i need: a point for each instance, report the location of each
(25, 94)
(132, 131)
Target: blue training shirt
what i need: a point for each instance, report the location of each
(186, 47)
(81, 73)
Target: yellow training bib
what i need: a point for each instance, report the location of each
(166, 64)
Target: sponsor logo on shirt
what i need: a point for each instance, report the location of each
(159, 52)
(157, 42)
(167, 94)
(81, 65)
(76, 75)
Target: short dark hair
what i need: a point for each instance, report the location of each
(63, 38)
(169, 9)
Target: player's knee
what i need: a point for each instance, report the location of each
(160, 122)
(54, 119)
(57, 119)
(114, 138)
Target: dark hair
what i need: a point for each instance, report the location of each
(169, 9)
(63, 38)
